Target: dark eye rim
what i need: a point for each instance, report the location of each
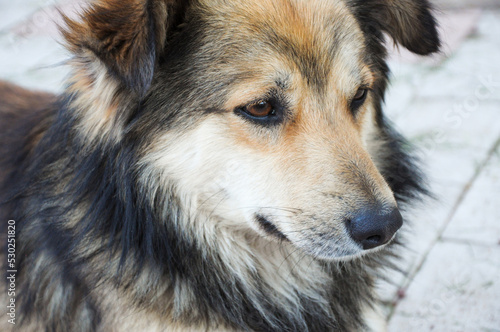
(363, 96)
(275, 117)
(357, 102)
(271, 113)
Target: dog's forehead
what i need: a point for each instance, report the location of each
(314, 37)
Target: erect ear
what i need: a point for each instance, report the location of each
(125, 35)
(409, 22)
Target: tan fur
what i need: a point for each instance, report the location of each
(96, 93)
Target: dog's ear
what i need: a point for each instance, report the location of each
(125, 35)
(409, 22)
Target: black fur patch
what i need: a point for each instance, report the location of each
(269, 228)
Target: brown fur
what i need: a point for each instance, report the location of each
(16, 100)
(22, 119)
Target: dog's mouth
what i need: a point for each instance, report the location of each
(325, 245)
(269, 228)
(322, 248)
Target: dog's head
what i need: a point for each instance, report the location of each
(264, 115)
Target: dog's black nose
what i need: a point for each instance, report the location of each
(371, 229)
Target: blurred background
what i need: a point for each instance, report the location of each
(447, 105)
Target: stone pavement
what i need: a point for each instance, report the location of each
(449, 106)
(451, 110)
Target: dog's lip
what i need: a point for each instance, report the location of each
(269, 228)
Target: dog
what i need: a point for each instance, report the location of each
(211, 165)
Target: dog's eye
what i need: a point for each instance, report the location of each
(260, 109)
(358, 99)
(263, 112)
(360, 94)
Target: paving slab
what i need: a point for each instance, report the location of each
(472, 71)
(456, 291)
(16, 11)
(477, 220)
(458, 4)
(31, 47)
(450, 110)
(442, 125)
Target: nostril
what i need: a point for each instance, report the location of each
(373, 228)
(374, 238)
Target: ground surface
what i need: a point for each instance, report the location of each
(449, 106)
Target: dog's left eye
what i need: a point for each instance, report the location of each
(260, 109)
(262, 112)
(358, 99)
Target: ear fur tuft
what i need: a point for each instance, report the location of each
(125, 35)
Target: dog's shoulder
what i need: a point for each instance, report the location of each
(14, 100)
(24, 116)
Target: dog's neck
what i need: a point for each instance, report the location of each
(234, 276)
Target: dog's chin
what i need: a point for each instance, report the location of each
(348, 252)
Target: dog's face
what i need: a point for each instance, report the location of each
(263, 114)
